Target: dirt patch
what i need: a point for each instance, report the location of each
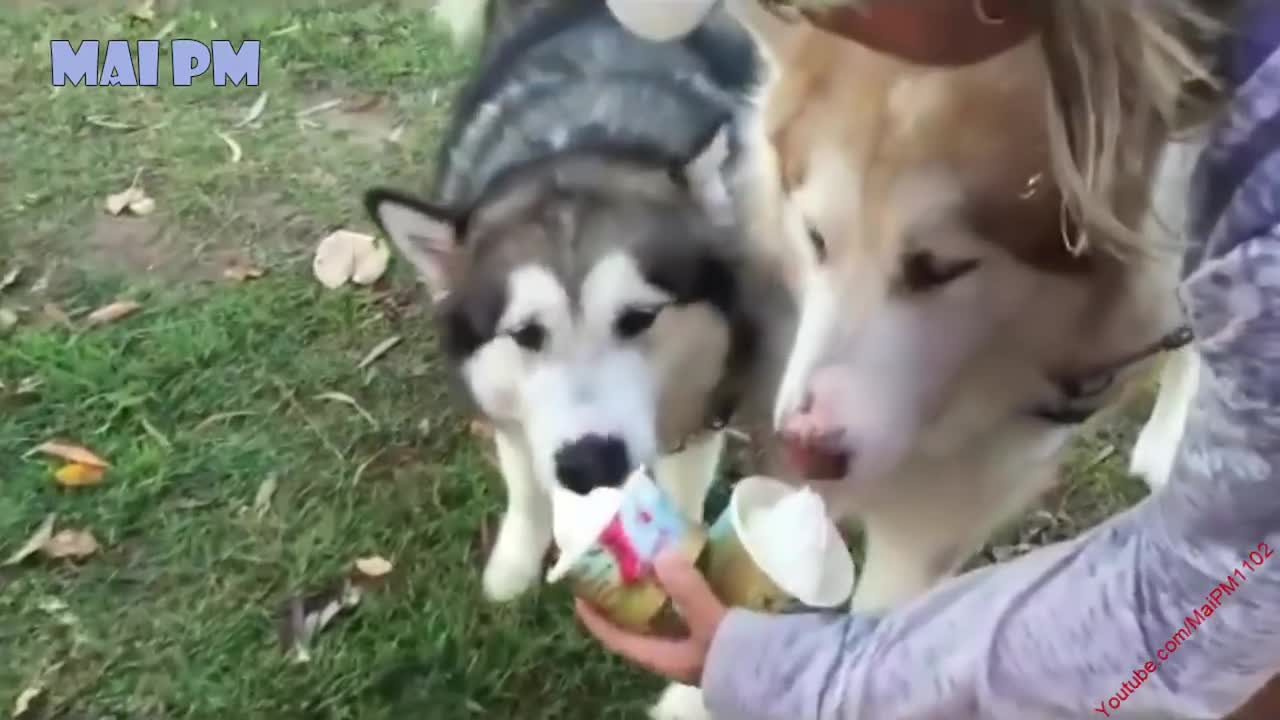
(360, 118)
(127, 245)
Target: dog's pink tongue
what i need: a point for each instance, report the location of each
(815, 462)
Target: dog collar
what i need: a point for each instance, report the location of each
(1092, 383)
(926, 32)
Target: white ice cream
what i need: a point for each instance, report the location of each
(789, 541)
(661, 20)
(576, 522)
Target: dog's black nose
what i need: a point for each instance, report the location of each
(592, 461)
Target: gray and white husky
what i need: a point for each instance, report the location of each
(580, 245)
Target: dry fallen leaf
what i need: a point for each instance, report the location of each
(378, 351)
(143, 206)
(372, 258)
(112, 312)
(241, 272)
(236, 152)
(133, 199)
(374, 566)
(335, 260)
(8, 319)
(25, 698)
(320, 107)
(9, 278)
(348, 400)
(346, 256)
(29, 385)
(70, 453)
(73, 544)
(107, 123)
(78, 475)
(262, 500)
(255, 111)
(34, 543)
(117, 202)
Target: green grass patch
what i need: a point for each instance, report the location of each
(212, 389)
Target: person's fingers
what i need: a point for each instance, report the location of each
(689, 592)
(675, 659)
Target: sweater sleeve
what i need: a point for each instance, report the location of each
(1170, 610)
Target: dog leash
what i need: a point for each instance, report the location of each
(1099, 379)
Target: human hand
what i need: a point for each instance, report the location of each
(676, 659)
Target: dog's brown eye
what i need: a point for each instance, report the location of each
(819, 243)
(635, 321)
(922, 271)
(530, 336)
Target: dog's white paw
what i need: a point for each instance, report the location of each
(508, 575)
(680, 702)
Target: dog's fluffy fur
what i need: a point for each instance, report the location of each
(944, 305)
(914, 213)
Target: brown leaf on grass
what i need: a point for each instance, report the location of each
(303, 617)
(335, 260)
(78, 475)
(143, 207)
(374, 566)
(107, 123)
(9, 278)
(319, 107)
(72, 544)
(34, 543)
(378, 351)
(346, 256)
(70, 453)
(8, 319)
(255, 111)
(133, 199)
(236, 151)
(112, 312)
(372, 258)
(348, 400)
(240, 272)
(262, 500)
(26, 698)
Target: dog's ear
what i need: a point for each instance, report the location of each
(705, 174)
(426, 236)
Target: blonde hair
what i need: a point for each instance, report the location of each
(1120, 76)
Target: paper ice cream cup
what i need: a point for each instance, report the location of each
(748, 565)
(608, 541)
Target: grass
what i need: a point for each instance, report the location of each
(211, 389)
